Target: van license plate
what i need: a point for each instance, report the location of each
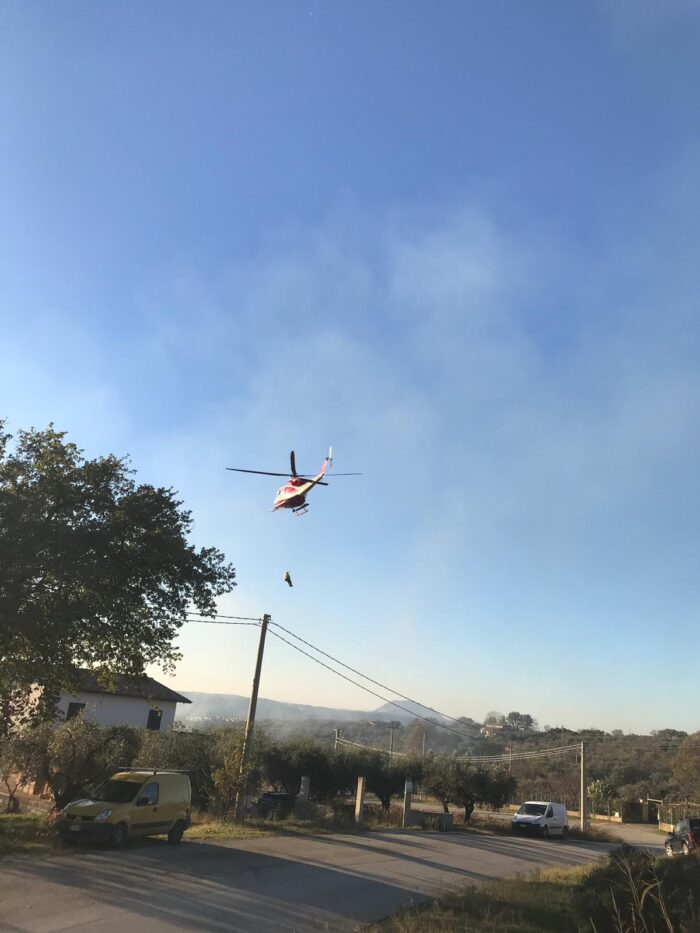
(75, 828)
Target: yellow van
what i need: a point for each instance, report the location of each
(131, 803)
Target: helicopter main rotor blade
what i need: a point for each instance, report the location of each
(293, 463)
(259, 472)
(331, 475)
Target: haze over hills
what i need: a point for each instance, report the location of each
(209, 706)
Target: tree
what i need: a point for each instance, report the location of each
(600, 793)
(285, 763)
(479, 785)
(519, 722)
(95, 570)
(386, 776)
(198, 753)
(228, 780)
(10, 780)
(686, 768)
(71, 756)
(439, 779)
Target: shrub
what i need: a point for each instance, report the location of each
(633, 890)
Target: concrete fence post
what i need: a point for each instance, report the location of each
(360, 801)
(407, 795)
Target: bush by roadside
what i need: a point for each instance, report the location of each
(30, 833)
(630, 892)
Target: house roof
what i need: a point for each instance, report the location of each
(127, 685)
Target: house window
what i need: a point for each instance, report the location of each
(73, 710)
(154, 718)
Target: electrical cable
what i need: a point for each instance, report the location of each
(371, 679)
(371, 748)
(219, 615)
(367, 689)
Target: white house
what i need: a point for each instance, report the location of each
(133, 701)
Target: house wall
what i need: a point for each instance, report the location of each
(110, 710)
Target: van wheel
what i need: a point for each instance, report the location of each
(669, 849)
(565, 833)
(175, 834)
(685, 848)
(119, 836)
(545, 831)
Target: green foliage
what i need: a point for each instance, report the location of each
(452, 781)
(637, 892)
(71, 756)
(9, 780)
(439, 779)
(601, 794)
(386, 777)
(286, 762)
(686, 768)
(519, 722)
(198, 753)
(227, 780)
(95, 570)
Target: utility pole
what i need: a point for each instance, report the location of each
(250, 723)
(393, 725)
(338, 734)
(510, 757)
(584, 790)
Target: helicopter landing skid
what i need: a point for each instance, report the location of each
(301, 509)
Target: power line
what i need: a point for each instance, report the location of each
(371, 679)
(366, 689)
(219, 615)
(506, 757)
(216, 622)
(371, 748)
(518, 756)
(524, 756)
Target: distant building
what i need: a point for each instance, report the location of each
(131, 701)
(491, 728)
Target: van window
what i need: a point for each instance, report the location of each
(532, 809)
(116, 791)
(549, 813)
(149, 795)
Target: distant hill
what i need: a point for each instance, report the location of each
(208, 706)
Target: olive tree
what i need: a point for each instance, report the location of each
(71, 756)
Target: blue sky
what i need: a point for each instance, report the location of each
(458, 242)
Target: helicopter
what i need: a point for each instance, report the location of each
(293, 494)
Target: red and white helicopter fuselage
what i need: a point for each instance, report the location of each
(294, 492)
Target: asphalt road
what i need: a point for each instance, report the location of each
(275, 883)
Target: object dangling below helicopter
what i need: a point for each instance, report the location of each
(293, 494)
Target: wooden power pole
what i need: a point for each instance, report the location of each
(250, 724)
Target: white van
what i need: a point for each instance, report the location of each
(543, 817)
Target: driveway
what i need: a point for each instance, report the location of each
(333, 882)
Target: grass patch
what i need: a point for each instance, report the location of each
(543, 902)
(485, 824)
(629, 892)
(209, 827)
(27, 833)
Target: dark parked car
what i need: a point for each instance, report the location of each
(684, 838)
(276, 805)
